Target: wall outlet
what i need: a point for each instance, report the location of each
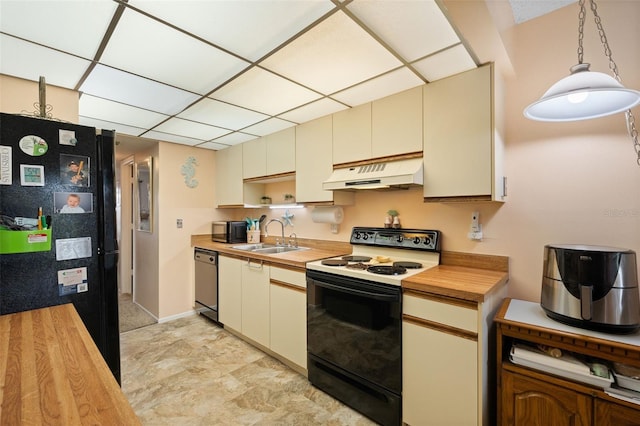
(179, 223)
(475, 230)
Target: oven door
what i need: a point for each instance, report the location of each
(354, 342)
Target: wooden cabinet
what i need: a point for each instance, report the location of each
(396, 124)
(229, 187)
(314, 163)
(230, 292)
(352, 134)
(255, 301)
(531, 397)
(462, 152)
(281, 152)
(527, 401)
(288, 314)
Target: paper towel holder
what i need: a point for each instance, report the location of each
(332, 215)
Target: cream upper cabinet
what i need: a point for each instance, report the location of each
(314, 163)
(281, 152)
(230, 292)
(254, 154)
(396, 124)
(352, 134)
(462, 153)
(229, 187)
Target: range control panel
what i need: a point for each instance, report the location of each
(414, 239)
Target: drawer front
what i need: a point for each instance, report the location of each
(289, 276)
(440, 311)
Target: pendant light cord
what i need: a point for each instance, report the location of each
(631, 125)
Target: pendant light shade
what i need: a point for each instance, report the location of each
(583, 95)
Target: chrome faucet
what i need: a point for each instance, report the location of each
(266, 232)
(295, 238)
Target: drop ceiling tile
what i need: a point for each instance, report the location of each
(446, 63)
(524, 10)
(269, 126)
(216, 113)
(331, 56)
(167, 137)
(108, 125)
(233, 139)
(190, 129)
(71, 26)
(265, 92)
(379, 87)
(116, 85)
(250, 29)
(212, 145)
(313, 110)
(412, 28)
(103, 109)
(58, 69)
(170, 56)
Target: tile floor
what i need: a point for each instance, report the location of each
(191, 372)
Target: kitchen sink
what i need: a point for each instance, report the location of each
(252, 247)
(267, 248)
(271, 250)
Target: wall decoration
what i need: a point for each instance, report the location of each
(74, 170)
(189, 171)
(73, 202)
(287, 218)
(6, 168)
(31, 175)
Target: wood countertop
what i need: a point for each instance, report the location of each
(51, 372)
(459, 282)
(317, 250)
(467, 276)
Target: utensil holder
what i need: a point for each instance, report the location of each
(253, 237)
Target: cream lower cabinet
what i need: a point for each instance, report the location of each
(288, 314)
(439, 362)
(230, 292)
(255, 301)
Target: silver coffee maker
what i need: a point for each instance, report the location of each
(591, 287)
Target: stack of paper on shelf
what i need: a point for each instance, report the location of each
(566, 366)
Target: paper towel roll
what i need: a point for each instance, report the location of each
(333, 215)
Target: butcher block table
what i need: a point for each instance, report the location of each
(51, 372)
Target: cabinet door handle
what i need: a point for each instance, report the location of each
(254, 267)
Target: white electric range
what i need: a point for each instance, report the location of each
(385, 255)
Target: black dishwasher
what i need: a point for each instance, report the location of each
(206, 280)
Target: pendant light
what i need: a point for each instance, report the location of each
(586, 94)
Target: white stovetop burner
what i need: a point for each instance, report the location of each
(380, 256)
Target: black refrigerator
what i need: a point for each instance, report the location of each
(58, 224)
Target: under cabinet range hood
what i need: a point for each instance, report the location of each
(399, 174)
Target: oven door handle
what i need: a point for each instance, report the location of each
(368, 294)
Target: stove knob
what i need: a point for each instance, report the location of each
(427, 241)
(400, 238)
(416, 240)
(365, 236)
(357, 235)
